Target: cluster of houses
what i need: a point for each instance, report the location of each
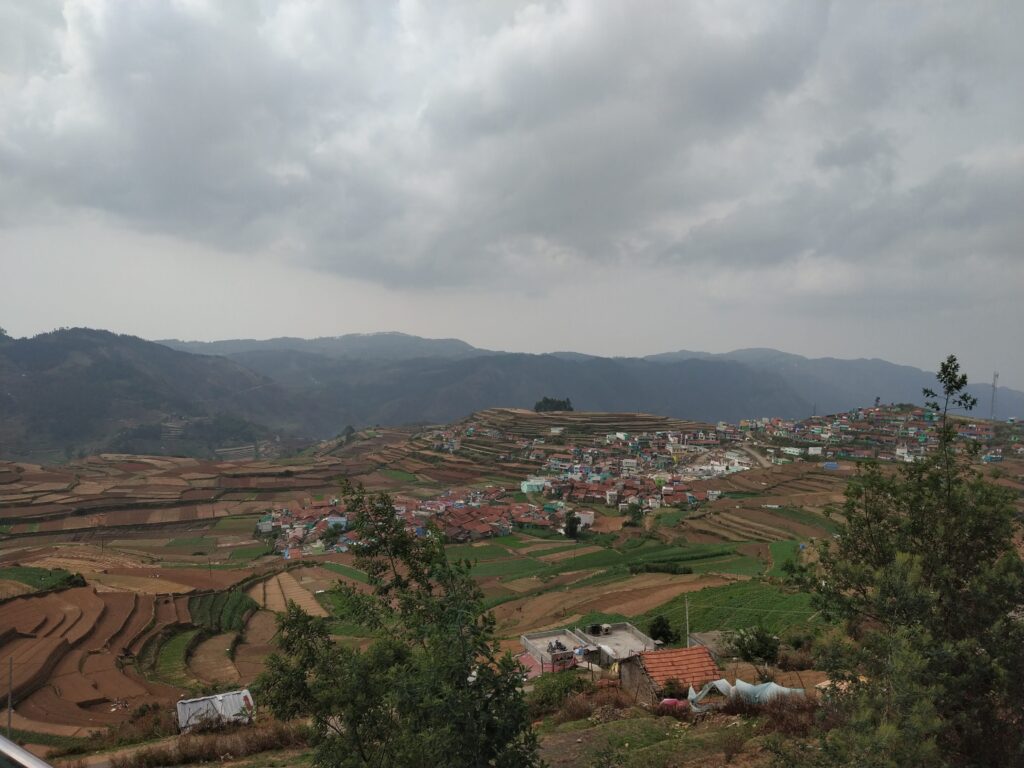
(647, 493)
(898, 433)
(313, 527)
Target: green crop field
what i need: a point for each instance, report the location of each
(249, 552)
(221, 611)
(171, 664)
(37, 578)
(205, 545)
(399, 475)
(742, 565)
(736, 606)
(513, 568)
(471, 552)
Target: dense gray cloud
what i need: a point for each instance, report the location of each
(849, 154)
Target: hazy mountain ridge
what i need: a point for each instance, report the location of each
(834, 385)
(80, 390)
(387, 345)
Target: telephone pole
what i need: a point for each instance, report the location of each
(686, 602)
(10, 693)
(992, 405)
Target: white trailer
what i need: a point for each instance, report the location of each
(230, 707)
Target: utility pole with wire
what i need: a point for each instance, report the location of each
(686, 602)
(10, 693)
(992, 405)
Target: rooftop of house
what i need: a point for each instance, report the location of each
(690, 666)
(622, 639)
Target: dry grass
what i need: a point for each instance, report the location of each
(583, 705)
(218, 747)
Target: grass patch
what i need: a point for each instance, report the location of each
(236, 524)
(597, 617)
(249, 552)
(672, 518)
(513, 568)
(399, 475)
(782, 552)
(741, 565)
(47, 739)
(470, 552)
(346, 570)
(340, 621)
(515, 542)
(205, 545)
(808, 518)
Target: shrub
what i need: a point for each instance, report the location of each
(575, 707)
(732, 744)
(549, 691)
(673, 689)
(790, 660)
(678, 712)
(582, 705)
(792, 717)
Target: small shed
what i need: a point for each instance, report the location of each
(230, 707)
(646, 674)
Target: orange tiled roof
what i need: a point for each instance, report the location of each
(690, 666)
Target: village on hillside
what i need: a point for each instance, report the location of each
(626, 473)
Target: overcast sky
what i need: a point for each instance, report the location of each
(840, 179)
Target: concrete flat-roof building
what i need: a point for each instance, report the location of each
(602, 644)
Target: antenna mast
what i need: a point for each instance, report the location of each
(992, 406)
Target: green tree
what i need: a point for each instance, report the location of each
(572, 525)
(756, 645)
(928, 587)
(636, 516)
(552, 404)
(661, 629)
(432, 689)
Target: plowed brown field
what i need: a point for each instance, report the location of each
(275, 592)
(210, 661)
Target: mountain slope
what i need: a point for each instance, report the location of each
(78, 389)
(833, 385)
(387, 346)
(444, 390)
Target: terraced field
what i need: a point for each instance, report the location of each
(211, 660)
(275, 593)
(66, 646)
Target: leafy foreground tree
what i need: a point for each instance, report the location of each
(928, 586)
(431, 690)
